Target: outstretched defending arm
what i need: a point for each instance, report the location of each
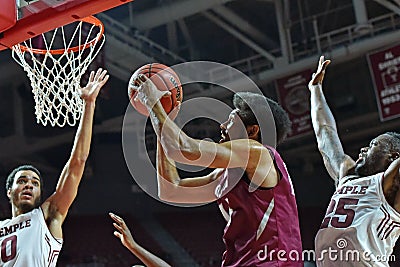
(336, 161)
(55, 208)
(123, 233)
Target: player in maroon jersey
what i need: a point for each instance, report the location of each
(250, 180)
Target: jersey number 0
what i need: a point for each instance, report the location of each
(10, 253)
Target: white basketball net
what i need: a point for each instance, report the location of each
(55, 78)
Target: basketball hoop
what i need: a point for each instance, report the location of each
(55, 62)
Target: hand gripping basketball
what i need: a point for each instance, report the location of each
(154, 82)
(147, 93)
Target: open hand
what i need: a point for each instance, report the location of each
(122, 232)
(318, 76)
(95, 83)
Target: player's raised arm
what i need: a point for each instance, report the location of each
(243, 152)
(55, 208)
(172, 188)
(184, 149)
(123, 233)
(336, 161)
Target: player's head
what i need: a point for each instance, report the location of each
(246, 106)
(24, 188)
(380, 153)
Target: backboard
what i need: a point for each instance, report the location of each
(23, 19)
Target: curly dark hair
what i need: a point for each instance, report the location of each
(395, 141)
(250, 104)
(11, 176)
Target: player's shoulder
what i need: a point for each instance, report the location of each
(32, 213)
(346, 167)
(245, 145)
(353, 178)
(244, 142)
(36, 212)
(4, 221)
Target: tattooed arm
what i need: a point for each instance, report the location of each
(336, 161)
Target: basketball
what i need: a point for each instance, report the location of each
(165, 79)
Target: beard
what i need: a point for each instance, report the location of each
(28, 207)
(369, 166)
(25, 207)
(364, 169)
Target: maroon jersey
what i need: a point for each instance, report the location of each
(263, 227)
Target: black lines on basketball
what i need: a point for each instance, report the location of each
(164, 70)
(165, 79)
(150, 69)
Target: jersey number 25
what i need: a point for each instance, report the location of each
(340, 210)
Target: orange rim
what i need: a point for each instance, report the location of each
(92, 20)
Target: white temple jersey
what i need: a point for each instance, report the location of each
(26, 241)
(360, 228)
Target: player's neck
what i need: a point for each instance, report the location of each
(16, 211)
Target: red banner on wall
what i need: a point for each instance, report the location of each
(385, 71)
(294, 97)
